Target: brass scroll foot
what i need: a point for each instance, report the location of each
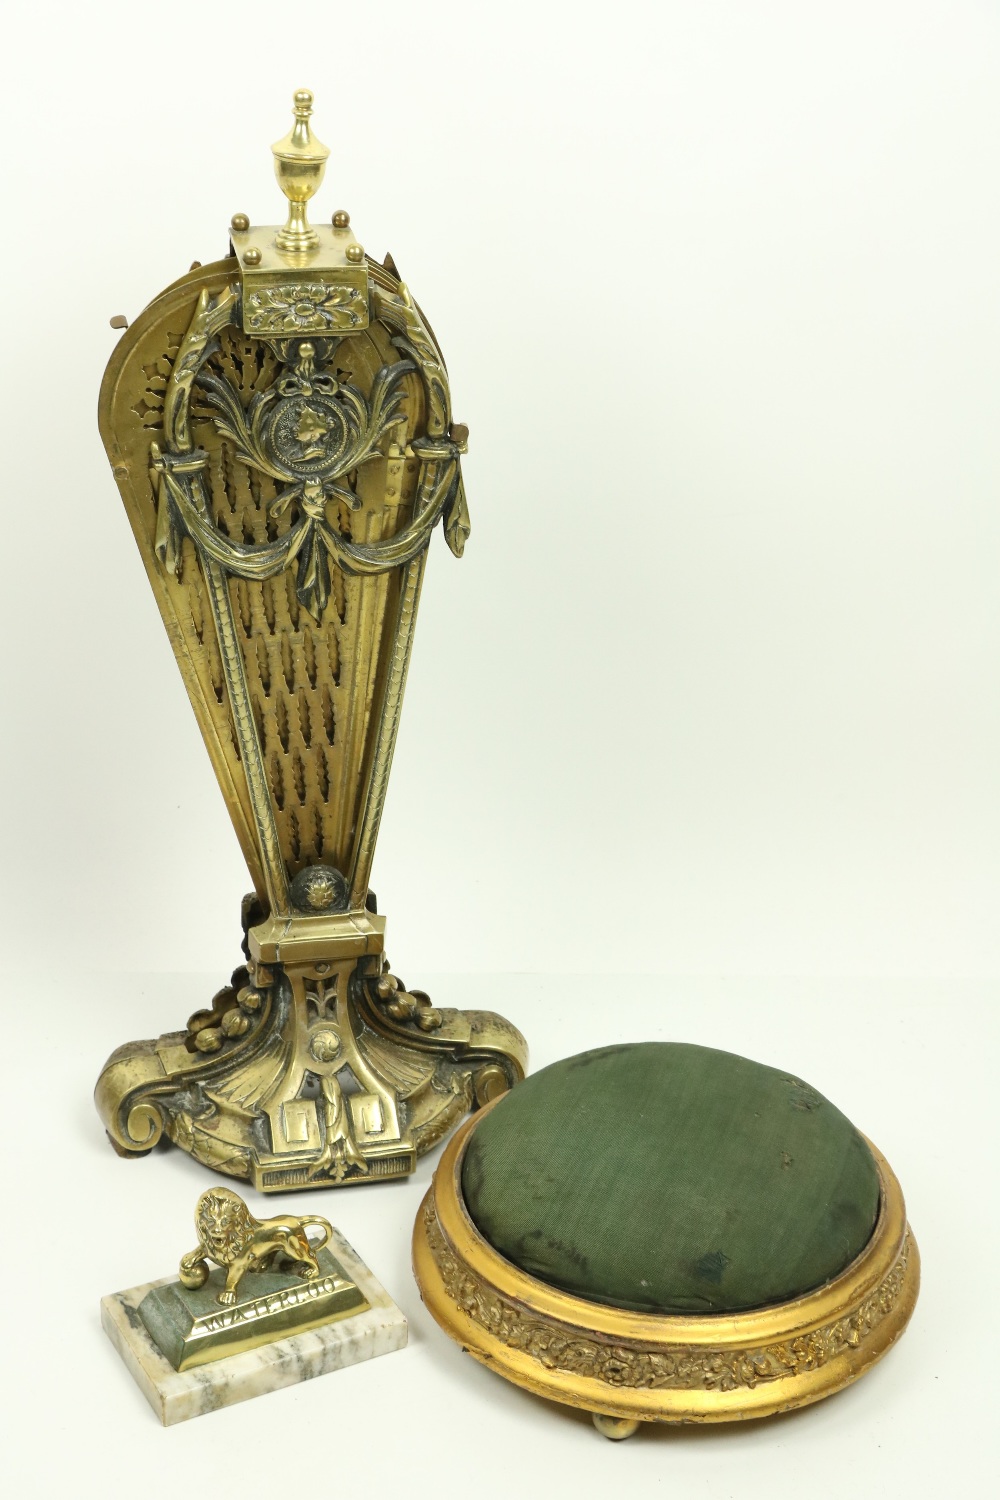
(313, 1067)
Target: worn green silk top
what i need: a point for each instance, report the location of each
(670, 1178)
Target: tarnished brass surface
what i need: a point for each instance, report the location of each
(628, 1367)
(282, 438)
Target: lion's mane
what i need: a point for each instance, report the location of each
(224, 1223)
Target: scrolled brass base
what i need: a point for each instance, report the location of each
(625, 1367)
(314, 1067)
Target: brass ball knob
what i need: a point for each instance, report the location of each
(319, 888)
(355, 254)
(302, 99)
(239, 222)
(341, 219)
(251, 257)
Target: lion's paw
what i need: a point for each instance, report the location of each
(227, 1298)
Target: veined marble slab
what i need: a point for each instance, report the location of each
(175, 1397)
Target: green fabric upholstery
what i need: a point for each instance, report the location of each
(669, 1178)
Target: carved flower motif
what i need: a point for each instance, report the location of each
(303, 307)
(302, 312)
(619, 1368)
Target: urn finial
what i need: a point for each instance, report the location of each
(299, 164)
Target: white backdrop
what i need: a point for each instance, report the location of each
(714, 690)
(712, 696)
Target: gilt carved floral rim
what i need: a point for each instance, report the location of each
(721, 1367)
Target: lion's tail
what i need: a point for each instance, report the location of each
(324, 1224)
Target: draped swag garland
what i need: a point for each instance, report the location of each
(358, 426)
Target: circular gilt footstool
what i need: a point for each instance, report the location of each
(667, 1233)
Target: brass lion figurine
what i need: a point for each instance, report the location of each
(229, 1234)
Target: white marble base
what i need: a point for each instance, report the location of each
(176, 1397)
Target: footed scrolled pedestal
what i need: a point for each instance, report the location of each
(667, 1233)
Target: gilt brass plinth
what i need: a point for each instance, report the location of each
(279, 423)
(625, 1367)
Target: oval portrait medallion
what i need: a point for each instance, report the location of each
(308, 434)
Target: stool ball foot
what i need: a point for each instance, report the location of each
(615, 1428)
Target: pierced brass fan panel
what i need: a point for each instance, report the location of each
(279, 425)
